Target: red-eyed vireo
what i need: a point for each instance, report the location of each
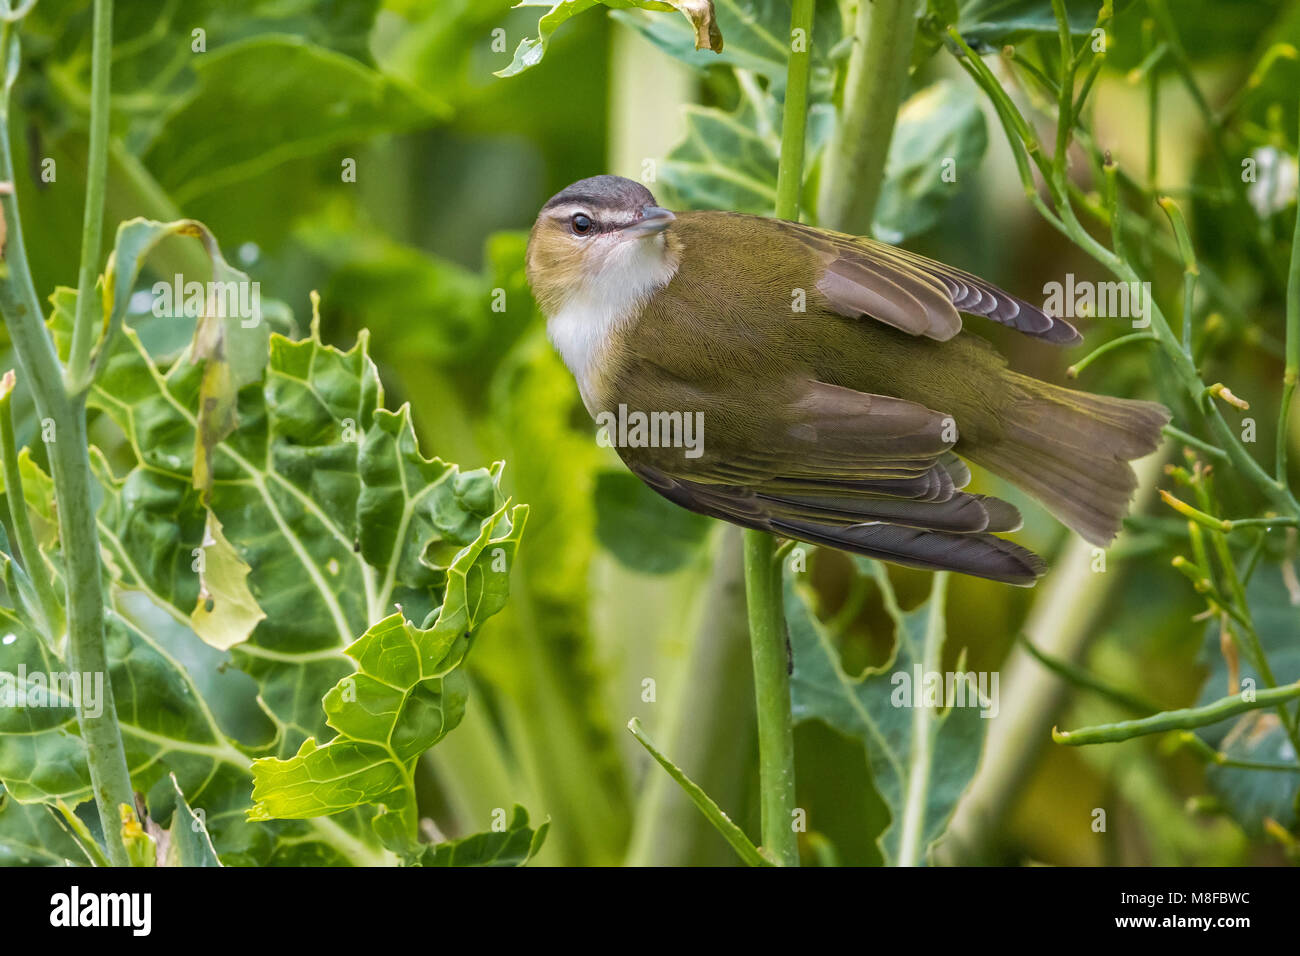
(819, 386)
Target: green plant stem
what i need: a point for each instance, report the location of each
(1074, 370)
(70, 468)
(1214, 451)
(1177, 719)
(877, 71)
(767, 633)
(92, 230)
(1292, 369)
(1024, 143)
(767, 639)
(1190, 270)
(27, 551)
(1226, 164)
(1253, 645)
(1223, 524)
(789, 178)
(1065, 98)
(1082, 678)
(1153, 105)
(1221, 759)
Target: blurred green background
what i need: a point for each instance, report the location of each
(253, 135)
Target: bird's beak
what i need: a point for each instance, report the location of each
(653, 219)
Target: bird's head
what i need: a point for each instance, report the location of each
(601, 238)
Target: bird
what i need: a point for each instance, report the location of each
(820, 386)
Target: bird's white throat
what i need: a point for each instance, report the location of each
(605, 304)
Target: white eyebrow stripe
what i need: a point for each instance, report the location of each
(569, 209)
(607, 220)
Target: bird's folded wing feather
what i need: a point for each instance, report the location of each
(864, 473)
(916, 294)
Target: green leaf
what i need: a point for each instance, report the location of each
(166, 724)
(757, 36)
(699, 17)
(471, 318)
(729, 160)
(157, 58)
(363, 519)
(922, 757)
(292, 99)
(38, 489)
(31, 835)
(938, 142)
(22, 592)
(726, 161)
(230, 338)
(188, 842)
(531, 416)
(158, 47)
(513, 846)
(325, 498)
(996, 22)
(1253, 795)
(226, 611)
(406, 695)
(645, 531)
(721, 822)
(78, 831)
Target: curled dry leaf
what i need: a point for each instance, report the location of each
(700, 13)
(703, 19)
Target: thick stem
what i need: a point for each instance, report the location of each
(767, 634)
(794, 119)
(855, 160)
(92, 229)
(767, 638)
(70, 467)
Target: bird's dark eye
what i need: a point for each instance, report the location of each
(581, 224)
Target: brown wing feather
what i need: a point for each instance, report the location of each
(968, 551)
(864, 473)
(916, 294)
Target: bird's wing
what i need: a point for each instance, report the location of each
(863, 473)
(916, 294)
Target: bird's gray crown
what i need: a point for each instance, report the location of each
(604, 192)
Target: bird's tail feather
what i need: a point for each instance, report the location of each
(1071, 451)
